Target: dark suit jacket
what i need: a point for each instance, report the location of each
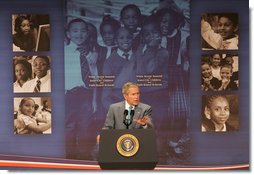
(115, 116)
(123, 71)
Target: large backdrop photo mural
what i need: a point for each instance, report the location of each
(109, 43)
(64, 64)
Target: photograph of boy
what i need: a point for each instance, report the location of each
(121, 42)
(84, 59)
(118, 65)
(41, 81)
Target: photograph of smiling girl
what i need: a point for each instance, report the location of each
(220, 113)
(219, 31)
(22, 72)
(219, 72)
(32, 115)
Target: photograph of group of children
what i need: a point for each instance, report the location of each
(31, 74)
(113, 42)
(219, 72)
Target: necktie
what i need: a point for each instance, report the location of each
(85, 72)
(164, 42)
(129, 113)
(37, 88)
(126, 56)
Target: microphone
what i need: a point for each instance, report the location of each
(128, 118)
(125, 113)
(125, 121)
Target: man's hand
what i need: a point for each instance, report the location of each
(98, 139)
(142, 121)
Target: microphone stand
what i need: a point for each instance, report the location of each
(128, 121)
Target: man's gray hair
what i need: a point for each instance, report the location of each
(126, 87)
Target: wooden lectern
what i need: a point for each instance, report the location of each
(128, 149)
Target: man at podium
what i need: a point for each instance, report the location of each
(123, 143)
(130, 113)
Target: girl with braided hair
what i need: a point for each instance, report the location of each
(216, 115)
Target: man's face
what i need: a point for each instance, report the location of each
(132, 97)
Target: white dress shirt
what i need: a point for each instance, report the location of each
(73, 76)
(72, 67)
(121, 53)
(17, 88)
(44, 87)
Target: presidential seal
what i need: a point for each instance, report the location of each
(127, 145)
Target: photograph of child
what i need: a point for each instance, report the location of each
(22, 71)
(29, 34)
(41, 77)
(220, 113)
(219, 31)
(219, 72)
(119, 42)
(32, 115)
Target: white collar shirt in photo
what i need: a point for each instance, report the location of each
(73, 77)
(44, 87)
(224, 129)
(231, 44)
(127, 106)
(72, 68)
(23, 121)
(17, 88)
(216, 72)
(121, 53)
(109, 49)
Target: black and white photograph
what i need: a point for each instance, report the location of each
(219, 31)
(110, 43)
(32, 115)
(125, 85)
(220, 113)
(22, 72)
(30, 32)
(219, 72)
(31, 74)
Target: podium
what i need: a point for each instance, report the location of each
(128, 149)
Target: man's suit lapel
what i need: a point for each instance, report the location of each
(121, 110)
